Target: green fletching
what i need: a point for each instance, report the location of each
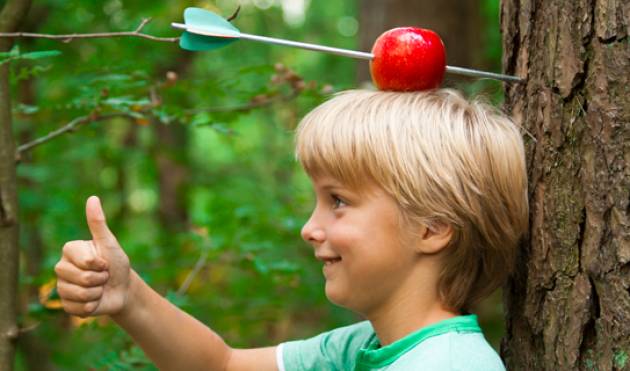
(211, 22)
(193, 42)
(206, 22)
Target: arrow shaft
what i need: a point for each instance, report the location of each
(345, 52)
(483, 74)
(370, 56)
(200, 31)
(315, 47)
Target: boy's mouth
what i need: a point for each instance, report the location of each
(330, 261)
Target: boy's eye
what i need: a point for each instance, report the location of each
(337, 202)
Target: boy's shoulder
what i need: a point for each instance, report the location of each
(332, 350)
(451, 351)
(456, 344)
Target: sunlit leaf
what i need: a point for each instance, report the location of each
(46, 292)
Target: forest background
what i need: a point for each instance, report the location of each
(192, 156)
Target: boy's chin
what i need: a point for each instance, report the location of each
(337, 296)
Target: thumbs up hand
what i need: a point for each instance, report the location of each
(93, 277)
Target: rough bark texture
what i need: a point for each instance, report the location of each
(569, 302)
(457, 22)
(10, 17)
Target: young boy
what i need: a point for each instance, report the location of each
(421, 201)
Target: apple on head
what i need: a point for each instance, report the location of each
(408, 58)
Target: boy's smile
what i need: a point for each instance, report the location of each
(357, 236)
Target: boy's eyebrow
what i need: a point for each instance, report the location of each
(338, 188)
(330, 186)
(333, 185)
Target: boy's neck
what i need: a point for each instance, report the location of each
(408, 311)
(391, 327)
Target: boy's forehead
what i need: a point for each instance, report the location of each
(327, 182)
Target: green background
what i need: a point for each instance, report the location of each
(245, 198)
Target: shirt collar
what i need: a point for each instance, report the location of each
(374, 356)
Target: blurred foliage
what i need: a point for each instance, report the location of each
(221, 121)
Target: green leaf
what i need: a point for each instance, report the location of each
(126, 102)
(40, 54)
(111, 77)
(222, 128)
(26, 109)
(28, 72)
(201, 118)
(14, 54)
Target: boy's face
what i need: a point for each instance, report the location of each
(359, 239)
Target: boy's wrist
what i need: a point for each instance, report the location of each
(134, 299)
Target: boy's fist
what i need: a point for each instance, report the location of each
(93, 276)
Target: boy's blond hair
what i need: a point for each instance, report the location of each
(444, 160)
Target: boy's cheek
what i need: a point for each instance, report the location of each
(342, 238)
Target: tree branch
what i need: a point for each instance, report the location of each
(69, 37)
(256, 102)
(77, 122)
(283, 76)
(71, 126)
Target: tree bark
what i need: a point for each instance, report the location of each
(459, 24)
(569, 301)
(10, 17)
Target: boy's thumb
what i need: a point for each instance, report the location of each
(96, 220)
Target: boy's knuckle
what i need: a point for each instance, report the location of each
(61, 290)
(88, 308)
(88, 278)
(83, 295)
(72, 248)
(67, 247)
(68, 307)
(58, 268)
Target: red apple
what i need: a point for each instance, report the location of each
(408, 58)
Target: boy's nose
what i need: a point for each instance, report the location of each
(312, 232)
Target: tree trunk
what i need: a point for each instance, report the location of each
(170, 154)
(459, 24)
(12, 14)
(30, 345)
(568, 303)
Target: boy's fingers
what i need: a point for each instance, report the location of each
(96, 221)
(87, 278)
(69, 291)
(83, 255)
(79, 308)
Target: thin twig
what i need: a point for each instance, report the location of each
(247, 106)
(71, 126)
(234, 15)
(191, 276)
(144, 22)
(30, 328)
(69, 37)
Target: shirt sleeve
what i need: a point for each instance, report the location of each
(333, 350)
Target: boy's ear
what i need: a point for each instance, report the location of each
(434, 238)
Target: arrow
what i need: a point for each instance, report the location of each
(205, 30)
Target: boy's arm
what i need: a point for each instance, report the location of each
(175, 340)
(94, 278)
